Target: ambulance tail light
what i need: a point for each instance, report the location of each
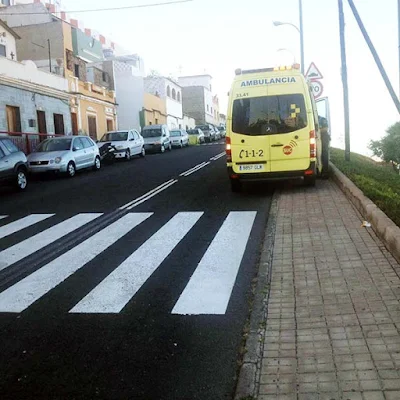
(313, 147)
(228, 149)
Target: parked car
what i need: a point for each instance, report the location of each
(157, 138)
(222, 131)
(217, 132)
(126, 143)
(13, 165)
(208, 131)
(179, 138)
(198, 134)
(66, 154)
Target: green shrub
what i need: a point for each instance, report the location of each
(378, 181)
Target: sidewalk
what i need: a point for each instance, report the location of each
(333, 327)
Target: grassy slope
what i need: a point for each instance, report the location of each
(378, 182)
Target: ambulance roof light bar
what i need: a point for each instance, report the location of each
(239, 71)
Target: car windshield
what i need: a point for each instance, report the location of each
(148, 133)
(54, 145)
(269, 115)
(192, 132)
(175, 133)
(114, 137)
(203, 127)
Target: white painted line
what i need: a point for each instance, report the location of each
(151, 195)
(200, 167)
(3, 216)
(217, 156)
(115, 291)
(30, 289)
(145, 195)
(22, 223)
(191, 169)
(42, 239)
(210, 287)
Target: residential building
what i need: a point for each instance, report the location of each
(6, 3)
(127, 74)
(171, 92)
(197, 98)
(93, 108)
(154, 110)
(222, 119)
(31, 100)
(216, 110)
(8, 39)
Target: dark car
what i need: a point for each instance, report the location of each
(13, 165)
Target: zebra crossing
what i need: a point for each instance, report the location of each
(208, 290)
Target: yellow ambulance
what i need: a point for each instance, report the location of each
(272, 129)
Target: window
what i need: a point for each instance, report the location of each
(76, 70)
(168, 91)
(1, 153)
(110, 125)
(178, 96)
(173, 94)
(3, 51)
(269, 115)
(86, 143)
(13, 119)
(135, 135)
(156, 121)
(208, 108)
(104, 76)
(211, 110)
(10, 146)
(58, 124)
(5, 2)
(78, 145)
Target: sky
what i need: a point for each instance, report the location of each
(218, 36)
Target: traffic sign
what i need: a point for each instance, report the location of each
(317, 89)
(313, 72)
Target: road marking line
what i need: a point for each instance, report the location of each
(191, 169)
(30, 289)
(3, 216)
(118, 288)
(198, 168)
(22, 223)
(217, 156)
(210, 287)
(31, 245)
(146, 194)
(152, 195)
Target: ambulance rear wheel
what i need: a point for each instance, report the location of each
(236, 186)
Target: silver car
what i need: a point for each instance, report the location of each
(65, 154)
(179, 138)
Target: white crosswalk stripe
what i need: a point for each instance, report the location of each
(22, 223)
(207, 292)
(31, 245)
(210, 287)
(24, 293)
(111, 295)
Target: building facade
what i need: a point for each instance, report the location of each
(154, 110)
(188, 122)
(171, 92)
(198, 100)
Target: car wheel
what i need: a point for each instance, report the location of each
(97, 164)
(127, 155)
(162, 148)
(71, 170)
(143, 152)
(181, 145)
(22, 179)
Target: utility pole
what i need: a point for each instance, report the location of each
(345, 84)
(48, 44)
(302, 37)
(375, 55)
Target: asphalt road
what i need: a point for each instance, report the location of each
(143, 295)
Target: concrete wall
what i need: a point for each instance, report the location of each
(155, 85)
(26, 14)
(9, 41)
(188, 122)
(194, 103)
(29, 104)
(196, 80)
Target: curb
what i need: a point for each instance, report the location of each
(383, 226)
(249, 375)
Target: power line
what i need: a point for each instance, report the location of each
(102, 9)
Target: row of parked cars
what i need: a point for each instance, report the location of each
(68, 154)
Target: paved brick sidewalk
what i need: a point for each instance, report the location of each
(333, 328)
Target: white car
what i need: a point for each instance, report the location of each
(179, 138)
(127, 143)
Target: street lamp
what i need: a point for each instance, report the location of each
(300, 30)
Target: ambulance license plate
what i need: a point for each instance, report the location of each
(251, 167)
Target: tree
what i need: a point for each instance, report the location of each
(388, 148)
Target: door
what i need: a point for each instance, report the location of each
(59, 124)
(13, 119)
(79, 153)
(92, 125)
(250, 137)
(10, 158)
(89, 152)
(110, 125)
(138, 142)
(74, 122)
(288, 124)
(42, 128)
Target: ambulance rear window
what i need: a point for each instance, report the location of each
(269, 115)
